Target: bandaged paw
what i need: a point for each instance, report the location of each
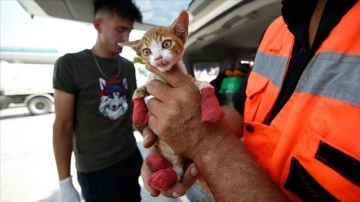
(210, 107)
(140, 111)
(164, 177)
(157, 162)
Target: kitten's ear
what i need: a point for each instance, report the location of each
(180, 26)
(135, 45)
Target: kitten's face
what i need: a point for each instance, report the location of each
(162, 47)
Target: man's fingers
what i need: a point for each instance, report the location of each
(188, 179)
(149, 137)
(179, 189)
(176, 191)
(145, 174)
(190, 176)
(176, 76)
(152, 69)
(159, 90)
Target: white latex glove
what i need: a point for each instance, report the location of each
(68, 193)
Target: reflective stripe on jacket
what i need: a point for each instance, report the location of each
(312, 147)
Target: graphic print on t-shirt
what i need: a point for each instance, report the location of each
(113, 102)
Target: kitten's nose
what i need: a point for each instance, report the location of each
(158, 58)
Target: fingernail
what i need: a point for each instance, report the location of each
(194, 171)
(146, 137)
(175, 195)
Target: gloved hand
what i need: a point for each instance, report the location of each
(68, 193)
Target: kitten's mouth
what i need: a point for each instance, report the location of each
(161, 63)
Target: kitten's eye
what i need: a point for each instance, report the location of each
(146, 52)
(167, 44)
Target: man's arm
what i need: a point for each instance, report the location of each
(230, 171)
(233, 120)
(224, 162)
(63, 132)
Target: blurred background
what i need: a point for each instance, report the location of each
(29, 46)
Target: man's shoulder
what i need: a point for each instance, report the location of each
(80, 54)
(126, 61)
(71, 57)
(127, 64)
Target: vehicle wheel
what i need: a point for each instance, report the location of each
(39, 105)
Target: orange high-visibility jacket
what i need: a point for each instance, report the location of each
(312, 147)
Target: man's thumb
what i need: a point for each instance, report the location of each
(177, 76)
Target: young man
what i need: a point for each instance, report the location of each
(93, 91)
(301, 112)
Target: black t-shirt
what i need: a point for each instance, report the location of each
(103, 133)
(297, 15)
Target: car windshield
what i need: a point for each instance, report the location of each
(161, 12)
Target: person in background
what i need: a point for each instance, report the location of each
(300, 107)
(228, 82)
(93, 107)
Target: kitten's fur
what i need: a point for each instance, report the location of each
(163, 47)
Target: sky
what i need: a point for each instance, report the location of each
(18, 29)
(161, 12)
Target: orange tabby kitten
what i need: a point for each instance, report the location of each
(163, 47)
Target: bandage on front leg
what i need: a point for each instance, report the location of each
(210, 107)
(140, 112)
(163, 179)
(157, 162)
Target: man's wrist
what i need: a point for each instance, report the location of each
(64, 175)
(208, 145)
(66, 180)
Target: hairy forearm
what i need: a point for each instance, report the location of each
(63, 147)
(233, 121)
(231, 172)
